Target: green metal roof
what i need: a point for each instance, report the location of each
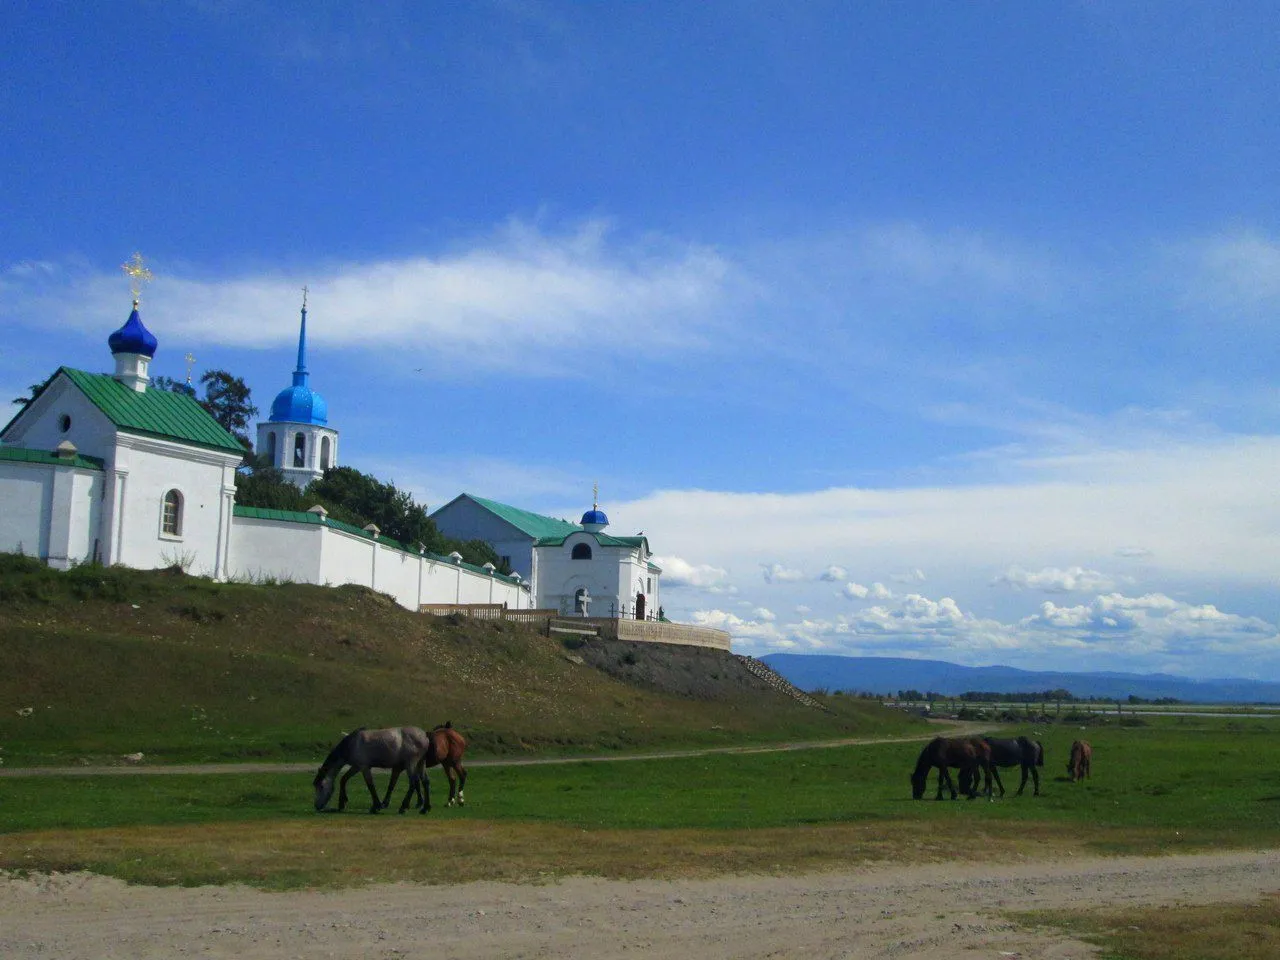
(306, 516)
(153, 412)
(531, 524)
(604, 539)
(23, 455)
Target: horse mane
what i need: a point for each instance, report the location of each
(337, 756)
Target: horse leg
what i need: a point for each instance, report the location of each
(342, 788)
(994, 775)
(452, 773)
(944, 776)
(413, 790)
(373, 791)
(425, 783)
(1023, 785)
(1035, 780)
(462, 782)
(395, 775)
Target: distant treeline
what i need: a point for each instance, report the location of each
(1042, 696)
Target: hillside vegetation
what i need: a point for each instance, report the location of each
(99, 663)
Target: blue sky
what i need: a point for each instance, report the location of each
(923, 329)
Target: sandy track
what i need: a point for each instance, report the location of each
(909, 913)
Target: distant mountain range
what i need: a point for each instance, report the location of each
(887, 675)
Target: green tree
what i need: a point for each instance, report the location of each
(226, 397)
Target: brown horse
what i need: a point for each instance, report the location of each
(1081, 757)
(394, 748)
(971, 755)
(446, 746)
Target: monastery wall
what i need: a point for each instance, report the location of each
(315, 553)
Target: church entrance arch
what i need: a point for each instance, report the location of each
(639, 606)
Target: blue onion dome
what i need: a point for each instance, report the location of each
(595, 516)
(299, 404)
(133, 337)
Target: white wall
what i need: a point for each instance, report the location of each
(272, 550)
(40, 425)
(314, 553)
(139, 475)
(613, 576)
(27, 492)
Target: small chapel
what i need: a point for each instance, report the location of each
(108, 468)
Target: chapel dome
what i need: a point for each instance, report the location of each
(133, 337)
(299, 404)
(595, 517)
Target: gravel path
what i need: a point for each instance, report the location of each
(908, 913)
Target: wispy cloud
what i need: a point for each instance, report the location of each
(1114, 632)
(678, 572)
(1054, 580)
(520, 294)
(777, 573)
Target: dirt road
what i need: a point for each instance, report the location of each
(909, 913)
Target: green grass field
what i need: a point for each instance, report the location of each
(1173, 785)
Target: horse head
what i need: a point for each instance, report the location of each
(324, 790)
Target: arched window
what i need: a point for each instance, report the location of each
(271, 448)
(171, 516)
(581, 551)
(324, 453)
(299, 449)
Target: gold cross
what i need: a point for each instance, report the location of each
(138, 274)
(190, 358)
(304, 298)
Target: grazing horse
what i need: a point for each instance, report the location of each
(1023, 752)
(970, 754)
(396, 748)
(446, 747)
(1081, 757)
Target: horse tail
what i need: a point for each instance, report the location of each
(1039, 754)
(338, 755)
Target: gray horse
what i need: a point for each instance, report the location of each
(395, 748)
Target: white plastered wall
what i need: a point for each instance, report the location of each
(142, 471)
(313, 553)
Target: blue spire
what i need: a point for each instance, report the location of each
(299, 403)
(300, 374)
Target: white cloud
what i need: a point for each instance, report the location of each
(777, 573)
(834, 574)
(855, 591)
(504, 298)
(1054, 580)
(1110, 632)
(1240, 271)
(764, 614)
(879, 591)
(914, 575)
(677, 572)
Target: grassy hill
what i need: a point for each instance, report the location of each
(102, 662)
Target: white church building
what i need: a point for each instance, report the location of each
(106, 468)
